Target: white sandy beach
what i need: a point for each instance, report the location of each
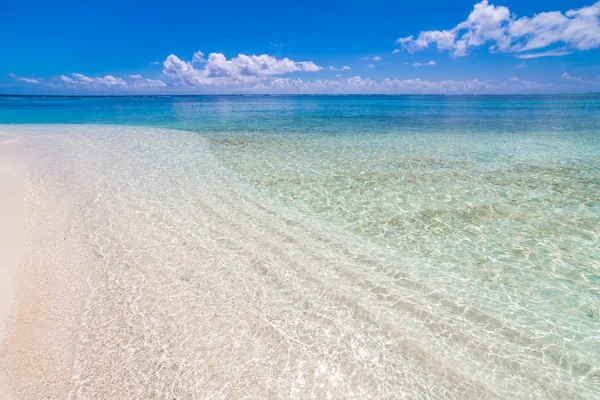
(150, 272)
(12, 226)
(12, 215)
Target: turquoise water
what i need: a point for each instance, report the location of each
(320, 115)
(484, 211)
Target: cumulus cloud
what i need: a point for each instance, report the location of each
(308, 66)
(198, 57)
(24, 79)
(430, 63)
(371, 65)
(377, 58)
(135, 76)
(218, 70)
(346, 68)
(496, 26)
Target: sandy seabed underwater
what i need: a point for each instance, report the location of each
(168, 264)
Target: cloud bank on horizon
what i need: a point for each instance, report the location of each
(493, 28)
(279, 85)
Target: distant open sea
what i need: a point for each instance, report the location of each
(387, 246)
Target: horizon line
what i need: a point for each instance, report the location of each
(299, 94)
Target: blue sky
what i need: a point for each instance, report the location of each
(495, 46)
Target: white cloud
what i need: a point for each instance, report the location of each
(520, 65)
(218, 70)
(67, 79)
(577, 29)
(110, 80)
(550, 53)
(448, 86)
(24, 79)
(155, 63)
(377, 58)
(80, 81)
(146, 83)
(430, 63)
(568, 77)
(357, 84)
(344, 68)
(107, 80)
(285, 85)
(82, 78)
(529, 85)
(395, 51)
(198, 57)
(307, 66)
(371, 65)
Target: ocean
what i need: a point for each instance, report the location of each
(317, 246)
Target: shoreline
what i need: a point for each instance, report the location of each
(13, 217)
(150, 270)
(97, 310)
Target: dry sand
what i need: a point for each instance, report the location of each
(12, 226)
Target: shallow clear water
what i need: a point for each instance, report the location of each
(353, 246)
